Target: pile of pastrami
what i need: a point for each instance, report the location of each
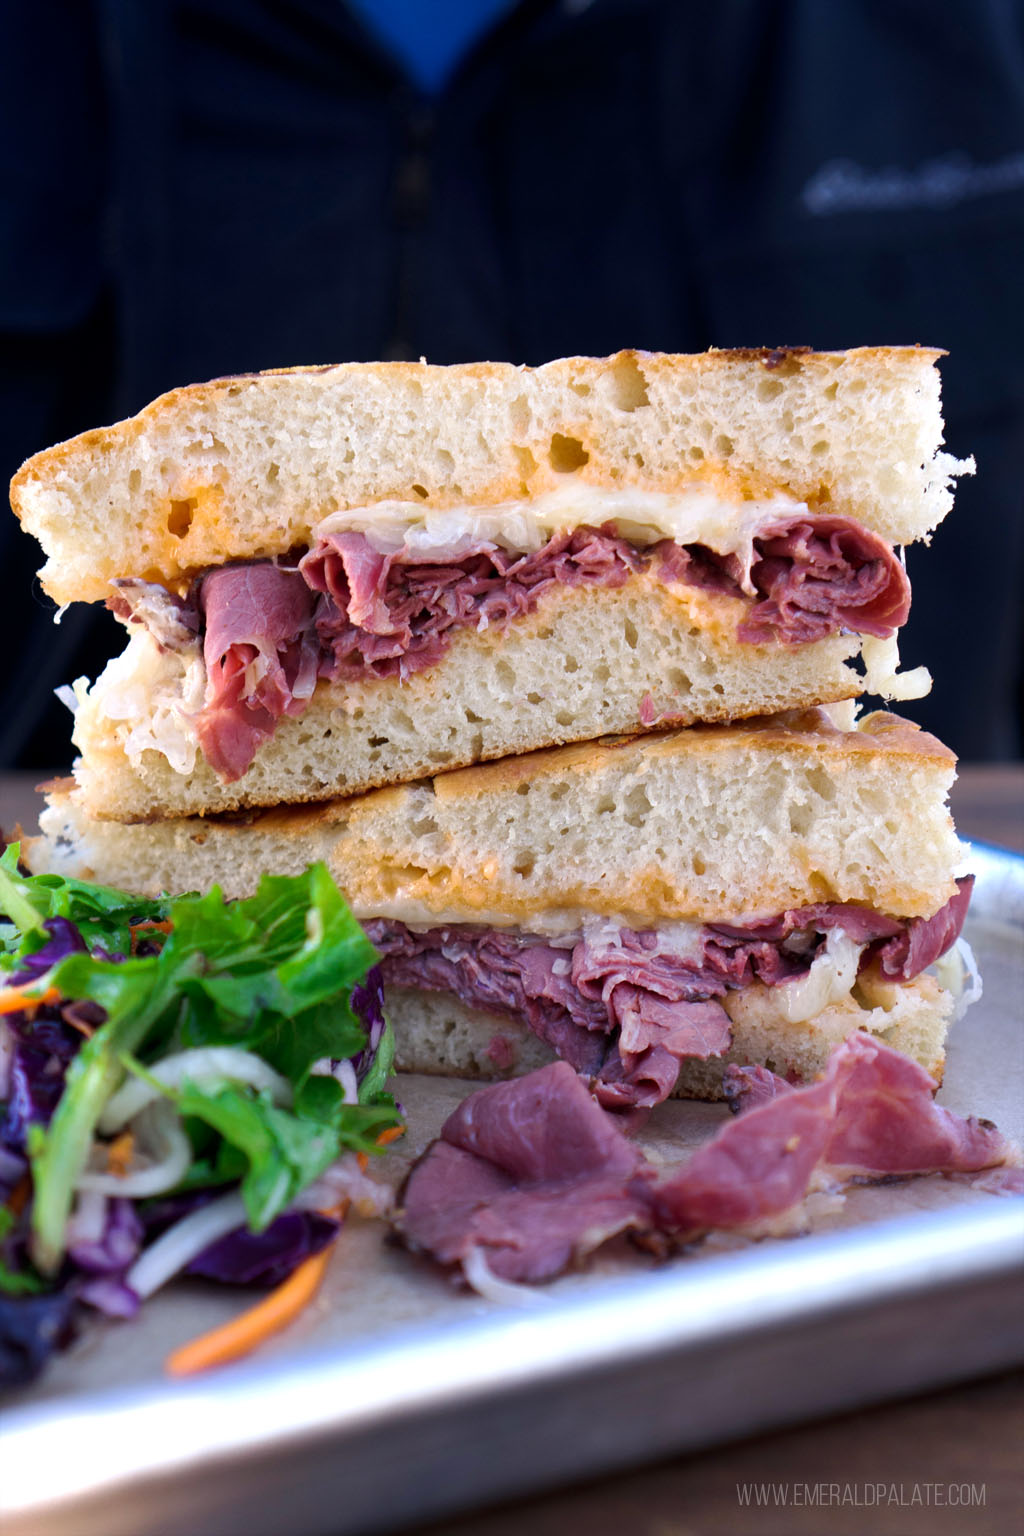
(624, 1008)
(346, 610)
(531, 1176)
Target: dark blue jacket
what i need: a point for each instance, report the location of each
(196, 189)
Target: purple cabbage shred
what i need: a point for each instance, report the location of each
(367, 1002)
(64, 940)
(265, 1258)
(31, 1328)
(243, 1257)
(41, 1046)
(104, 1240)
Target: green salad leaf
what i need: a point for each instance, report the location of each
(277, 1152)
(282, 1153)
(271, 975)
(373, 1085)
(102, 915)
(17, 1282)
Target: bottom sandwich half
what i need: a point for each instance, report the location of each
(647, 909)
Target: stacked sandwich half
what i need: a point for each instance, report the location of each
(557, 670)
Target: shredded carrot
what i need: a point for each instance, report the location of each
(120, 1153)
(138, 928)
(18, 1196)
(88, 1030)
(243, 1334)
(21, 999)
(383, 1140)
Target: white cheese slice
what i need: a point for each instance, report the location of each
(695, 516)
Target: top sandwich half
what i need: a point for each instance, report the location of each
(342, 577)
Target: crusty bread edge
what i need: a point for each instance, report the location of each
(51, 460)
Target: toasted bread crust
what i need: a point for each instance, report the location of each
(712, 824)
(62, 456)
(247, 466)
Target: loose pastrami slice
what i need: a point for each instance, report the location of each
(623, 1008)
(536, 1176)
(532, 1172)
(871, 1115)
(349, 611)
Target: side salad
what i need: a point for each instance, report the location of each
(186, 1085)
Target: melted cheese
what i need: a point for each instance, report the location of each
(829, 980)
(561, 927)
(695, 516)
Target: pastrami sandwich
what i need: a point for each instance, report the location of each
(338, 578)
(648, 909)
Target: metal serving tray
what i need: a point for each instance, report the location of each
(396, 1399)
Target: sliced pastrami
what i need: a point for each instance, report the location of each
(387, 614)
(390, 615)
(506, 974)
(887, 1122)
(921, 941)
(261, 659)
(745, 1087)
(623, 1006)
(661, 1005)
(759, 1164)
(573, 998)
(630, 1082)
(820, 574)
(533, 1175)
(871, 1115)
(350, 611)
(531, 1172)
(861, 924)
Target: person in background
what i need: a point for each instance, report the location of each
(200, 187)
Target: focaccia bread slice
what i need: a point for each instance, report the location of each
(709, 824)
(247, 467)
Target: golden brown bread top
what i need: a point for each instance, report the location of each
(703, 825)
(795, 732)
(779, 362)
(247, 466)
